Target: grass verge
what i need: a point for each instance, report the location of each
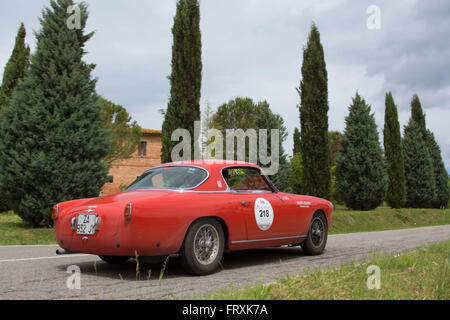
(14, 231)
(385, 218)
(415, 275)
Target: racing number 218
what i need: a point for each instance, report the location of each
(264, 213)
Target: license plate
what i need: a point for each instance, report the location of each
(86, 224)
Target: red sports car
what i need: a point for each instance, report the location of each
(197, 209)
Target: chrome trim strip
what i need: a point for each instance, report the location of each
(205, 191)
(269, 239)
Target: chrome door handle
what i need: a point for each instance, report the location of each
(245, 203)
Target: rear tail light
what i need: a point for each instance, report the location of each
(128, 211)
(55, 212)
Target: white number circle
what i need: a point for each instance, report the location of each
(263, 214)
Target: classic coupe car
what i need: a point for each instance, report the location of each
(197, 209)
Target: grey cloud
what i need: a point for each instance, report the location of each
(254, 48)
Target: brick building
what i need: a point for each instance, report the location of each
(148, 155)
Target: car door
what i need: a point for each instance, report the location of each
(265, 213)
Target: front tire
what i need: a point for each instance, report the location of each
(203, 247)
(317, 237)
(114, 259)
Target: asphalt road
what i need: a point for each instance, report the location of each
(35, 272)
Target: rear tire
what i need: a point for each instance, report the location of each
(114, 259)
(315, 242)
(203, 247)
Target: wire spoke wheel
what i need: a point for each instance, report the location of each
(206, 244)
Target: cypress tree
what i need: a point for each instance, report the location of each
(54, 137)
(313, 92)
(360, 167)
(184, 104)
(418, 115)
(15, 70)
(420, 188)
(393, 148)
(440, 173)
(297, 142)
(16, 67)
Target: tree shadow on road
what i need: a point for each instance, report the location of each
(234, 260)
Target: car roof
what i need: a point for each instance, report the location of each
(215, 180)
(211, 164)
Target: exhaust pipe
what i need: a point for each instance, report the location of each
(61, 251)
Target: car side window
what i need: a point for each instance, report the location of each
(242, 178)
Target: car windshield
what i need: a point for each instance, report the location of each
(182, 177)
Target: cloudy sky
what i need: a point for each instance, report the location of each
(254, 48)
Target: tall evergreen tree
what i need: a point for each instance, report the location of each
(184, 104)
(15, 70)
(418, 115)
(314, 119)
(439, 172)
(360, 167)
(16, 67)
(393, 148)
(54, 136)
(297, 142)
(420, 187)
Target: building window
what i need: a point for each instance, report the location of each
(142, 151)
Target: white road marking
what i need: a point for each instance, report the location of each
(30, 246)
(44, 258)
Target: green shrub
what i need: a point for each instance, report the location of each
(3, 202)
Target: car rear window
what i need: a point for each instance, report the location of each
(182, 177)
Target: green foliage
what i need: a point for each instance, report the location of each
(239, 113)
(420, 186)
(15, 70)
(297, 173)
(266, 119)
(335, 195)
(334, 137)
(393, 148)
(297, 142)
(440, 173)
(124, 134)
(296, 164)
(3, 202)
(54, 137)
(184, 104)
(243, 113)
(314, 119)
(360, 168)
(15, 231)
(418, 115)
(16, 67)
